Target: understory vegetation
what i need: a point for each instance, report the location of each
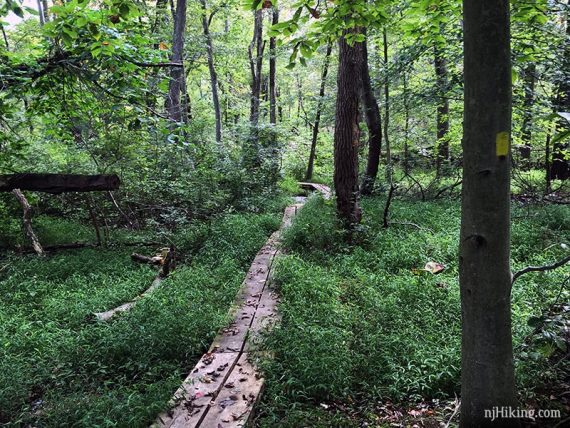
(364, 323)
(59, 367)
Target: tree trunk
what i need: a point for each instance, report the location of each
(255, 65)
(374, 124)
(387, 105)
(5, 37)
(547, 164)
(41, 13)
(27, 221)
(272, 72)
(529, 80)
(176, 87)
(347, 132)
(310, 166)
(487, 370)
(406, 124)
(442, 116)
(560, 166)
(45, 8)
(212, 69)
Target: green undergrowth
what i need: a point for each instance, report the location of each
(58, 367)
(363, 322)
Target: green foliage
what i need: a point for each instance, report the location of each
(58, 368)
(365, 320)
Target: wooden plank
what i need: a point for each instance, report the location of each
(254, 310)
(233, 406)
(58, 183)
(191, 401)
(321, 188)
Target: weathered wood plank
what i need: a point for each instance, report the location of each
(192, 400)
(58, 183)
(321, 188)
(230, 405)
(233, 406)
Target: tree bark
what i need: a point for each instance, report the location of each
(347, 132)
(442, 116)
(529, 80)
(41, 14)
(374, 124)
(45, 8)
(176, 87)
(314, 139)
(487, 369)
(406, 124)
(212, 69)
(560, 166)
(27, 221)
(58, 183)
(272, 71)
(255, 63)
(386, 103)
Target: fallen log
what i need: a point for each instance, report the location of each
(58, 183)
(27, 221)
(155, 260)
(107, 315)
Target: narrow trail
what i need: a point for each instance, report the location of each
(224, 386)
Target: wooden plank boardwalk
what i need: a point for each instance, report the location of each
(223, 387)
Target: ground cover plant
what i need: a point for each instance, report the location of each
(58, 367)
(364, 323)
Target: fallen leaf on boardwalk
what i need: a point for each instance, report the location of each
(206, 379)
(227, 403)
(434, 267)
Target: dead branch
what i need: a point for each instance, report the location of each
(155, 260)
(445, 189)
(27, 221)
(107, 315)
(544, 268)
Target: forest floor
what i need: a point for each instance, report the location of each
(370, 338)
(367, 337)
(58, 367)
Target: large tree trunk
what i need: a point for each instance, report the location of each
(487, 370)
(177, 85)
(58, 183)
(272, 72)
(314, 139)
(27, 221)
(374, 124)
(212, 69)
(347, 132)
(442, 116)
